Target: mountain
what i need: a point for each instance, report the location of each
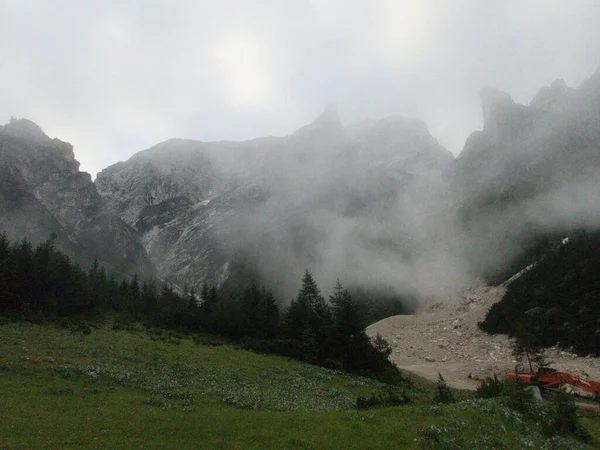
(379, 204)
(530, 175)
(271, 207)
(42, 192)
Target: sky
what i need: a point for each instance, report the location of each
(114, 77)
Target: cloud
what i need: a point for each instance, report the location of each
(123, 75)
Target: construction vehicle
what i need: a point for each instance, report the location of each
(549, 380)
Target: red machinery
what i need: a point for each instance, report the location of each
(549, 379)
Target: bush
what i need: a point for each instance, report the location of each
(208, 340)
(489, 387)
(563, 419)
(519, 396)
(333, 364)
(389, 398)
(443, 394)
(382, 346)
(283, 347)
(79, 327)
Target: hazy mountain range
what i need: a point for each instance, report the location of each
(377, 204)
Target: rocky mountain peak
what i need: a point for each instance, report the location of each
(494, 104)
(25, 128)
(328, 123)
(42, 191)
(330, 115)
(555, 97)
(34, 143)
(589, 91)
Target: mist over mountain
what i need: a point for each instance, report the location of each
(379, 204)
(343, 202)
(532, 171)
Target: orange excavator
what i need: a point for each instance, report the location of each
(549, 379)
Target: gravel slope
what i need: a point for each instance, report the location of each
(443, 337)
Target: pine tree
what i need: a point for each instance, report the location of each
(309, 348)
(7, 277)
(24, 272)
(301, 309)
(321, 321)
(249, 314)
(135, 295)
(193, 310)
(309, 309)
(269, 316)
(210, 298)
(149, 297)
(348, 338)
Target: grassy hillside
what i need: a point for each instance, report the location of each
(136, 388)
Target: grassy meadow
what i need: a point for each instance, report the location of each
(137, 388)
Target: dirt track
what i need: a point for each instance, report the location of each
(444, 338)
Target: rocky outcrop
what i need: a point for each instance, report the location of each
(42, 192)
(230, 210)
(526, 173)
(377, 203)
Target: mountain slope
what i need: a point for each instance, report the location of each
(557, 300)
(271, 207)
(42, 192)
(444, 337)
(529, 176)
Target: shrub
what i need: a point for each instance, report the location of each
(208, 340)
(389, 398)
(519, 395)
(443, 394)
(489, 387)
(382, 346)
(563, 418)
(283, 347)
(79, 327)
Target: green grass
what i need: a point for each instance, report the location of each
(138, 389)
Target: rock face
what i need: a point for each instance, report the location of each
(42, 191)
(213, 211)
(377, 203)
(530, 171)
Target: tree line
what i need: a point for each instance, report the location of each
(556, 302)
(43, 284)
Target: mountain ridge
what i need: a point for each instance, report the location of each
(374, 200)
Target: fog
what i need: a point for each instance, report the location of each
(388, 207)
(369, 193)
(115, 77)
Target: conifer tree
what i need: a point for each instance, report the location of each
(302, 307)
(347, 333)
(269, 315)
(7, 281)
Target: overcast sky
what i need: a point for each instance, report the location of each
(115, 77)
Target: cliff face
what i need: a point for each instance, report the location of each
(271, 206)
(378, 203)
(531, 171)
(42, 192)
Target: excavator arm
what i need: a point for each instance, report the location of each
(548, 378)
(555, 379)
